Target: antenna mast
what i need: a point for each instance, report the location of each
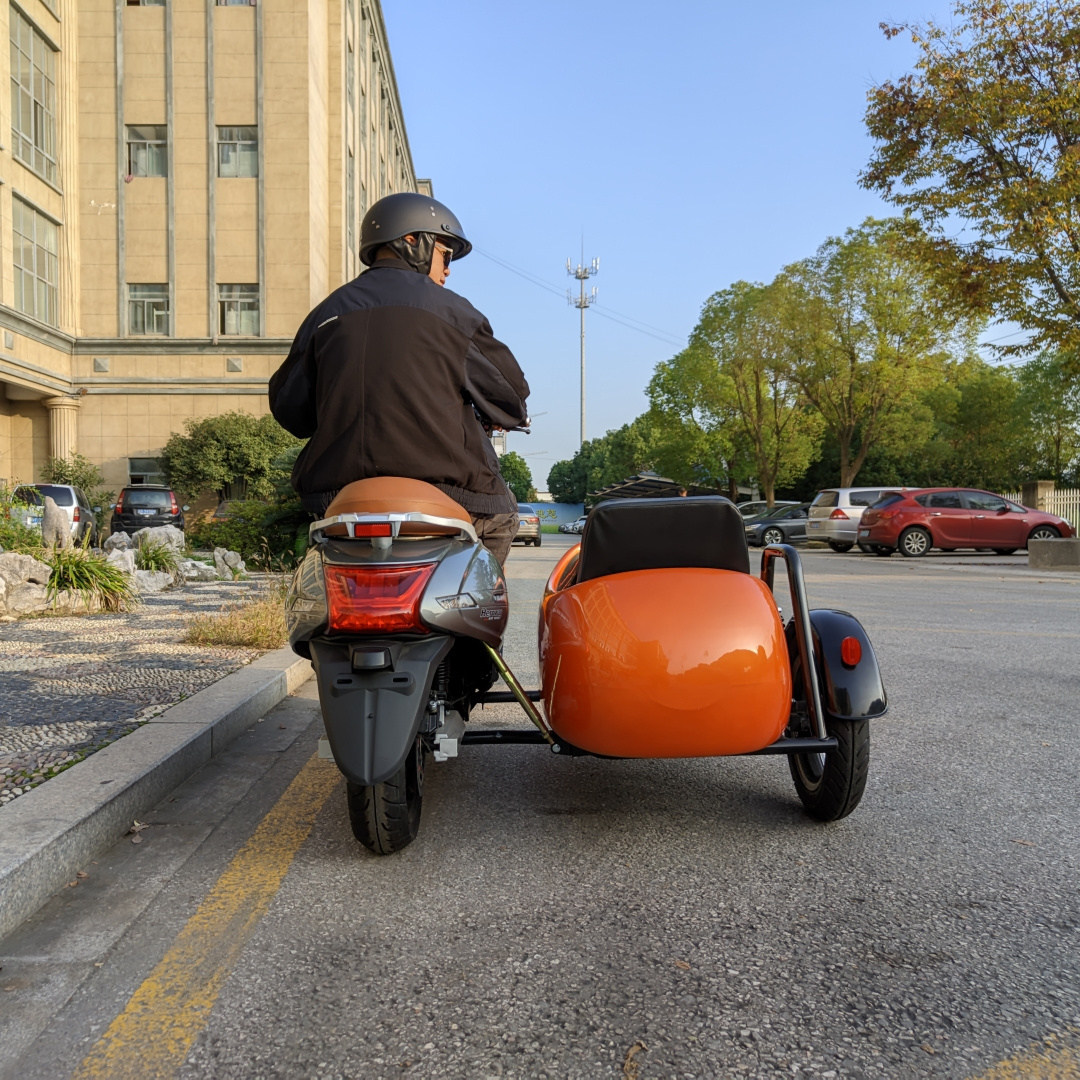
(582, 301)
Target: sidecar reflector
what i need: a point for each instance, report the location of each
(850, 651)
(376, 599)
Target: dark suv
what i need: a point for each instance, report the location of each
(143, 505)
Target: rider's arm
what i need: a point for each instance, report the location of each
(494, 380)
(292, 388)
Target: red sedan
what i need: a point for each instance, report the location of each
(913, 522)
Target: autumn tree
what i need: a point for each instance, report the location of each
(866, 333)
(981, 145)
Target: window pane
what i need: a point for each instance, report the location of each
(247, 163)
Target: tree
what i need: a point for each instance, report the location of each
(984, 135)
(599, 462)
(1049, 405)
(741, 331)
(866, 333)
(232, 454)
(516, 472)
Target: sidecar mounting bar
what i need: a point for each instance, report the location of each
(493, 696)
(529, 736)
(798, 746)
(520, 694)
(804, 636)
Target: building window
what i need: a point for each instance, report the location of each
(148, 309)
(145, 3)
(33, 97)
(36, 274)
(238, 151)
(148, 150)
(235, 3)
(238, 309)
(145, 470)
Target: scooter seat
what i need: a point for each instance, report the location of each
(398, 495)
(704, 532)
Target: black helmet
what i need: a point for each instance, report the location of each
(395, 216)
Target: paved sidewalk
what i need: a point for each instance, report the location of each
(71, 685)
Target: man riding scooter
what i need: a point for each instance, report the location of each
(394, 375)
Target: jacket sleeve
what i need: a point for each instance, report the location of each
(292, 387)
(494, 380)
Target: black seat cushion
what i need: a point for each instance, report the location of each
(652, 534)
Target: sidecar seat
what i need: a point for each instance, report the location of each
(665, 645)
(653, 534)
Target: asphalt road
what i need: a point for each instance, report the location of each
(556, 914)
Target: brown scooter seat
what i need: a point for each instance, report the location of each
(399, 495)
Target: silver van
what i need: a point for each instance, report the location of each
(835, 514)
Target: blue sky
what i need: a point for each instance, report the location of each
(693, 144)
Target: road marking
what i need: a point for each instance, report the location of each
(1046, 1063)
(151, 1038)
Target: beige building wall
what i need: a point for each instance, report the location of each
(314, 77)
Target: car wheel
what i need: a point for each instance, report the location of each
(883, 551)
(831, 785)
(536, 542)
(841, 548)
(1044, 532)
(915, 542)
(386, 817)
(772, 536)
(1004, 551)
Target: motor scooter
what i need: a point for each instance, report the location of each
(655, 641)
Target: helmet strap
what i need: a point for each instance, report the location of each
(417, 255)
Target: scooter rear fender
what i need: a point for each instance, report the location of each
(372, 717)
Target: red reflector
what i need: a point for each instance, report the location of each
(850, 651)
(839, 515)
(382, 529)
(377, 599)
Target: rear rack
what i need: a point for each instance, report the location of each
(317, 530)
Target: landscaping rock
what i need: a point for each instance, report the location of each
(123, 559)
(197, 571)
(119, 541)
(152, 581)
(26, 599)
(228, 563)
(165, 535)
(234, 562)
(55, 527)
(18, 569)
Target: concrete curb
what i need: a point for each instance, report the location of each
(54, 830)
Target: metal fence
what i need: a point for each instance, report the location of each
(1065, 503)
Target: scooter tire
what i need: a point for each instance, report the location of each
(386, 817)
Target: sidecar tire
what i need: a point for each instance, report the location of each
(386, 817)
(831, 785)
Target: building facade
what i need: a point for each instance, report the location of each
(180, 182)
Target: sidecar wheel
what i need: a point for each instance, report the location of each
(386, 817)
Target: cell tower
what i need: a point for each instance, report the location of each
(582, 301)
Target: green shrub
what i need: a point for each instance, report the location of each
(14, 535)
(269, 537)
(156, 556)
(75, 569)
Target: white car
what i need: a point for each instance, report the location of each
(835, 514)
(69, 499)
(573, 526)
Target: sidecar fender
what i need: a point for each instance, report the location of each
(851, 692)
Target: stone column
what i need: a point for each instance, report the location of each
(1038, 494)
(63, 425)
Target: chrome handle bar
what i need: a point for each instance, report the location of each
(804, 634)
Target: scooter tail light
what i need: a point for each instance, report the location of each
(839, 515)
(376, 599)
(850, 651)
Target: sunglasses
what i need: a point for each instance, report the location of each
(447, 254)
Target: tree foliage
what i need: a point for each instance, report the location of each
(985, 134)
(232, 455)
(606, 460)
(866, 333)
(516, 472)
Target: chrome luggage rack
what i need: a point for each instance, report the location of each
(354, 524)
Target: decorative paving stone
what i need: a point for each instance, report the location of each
(71, 685)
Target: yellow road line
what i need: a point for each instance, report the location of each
(151, 1038)
(1049, 1062)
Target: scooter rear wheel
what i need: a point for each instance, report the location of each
(386, 817)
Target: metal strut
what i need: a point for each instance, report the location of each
(521, 695)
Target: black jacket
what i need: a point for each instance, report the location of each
(383, 376)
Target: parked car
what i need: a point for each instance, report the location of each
(781, 525)
(835, 514)
(528, 531)
(142, 505)
(68, 498)
(573, 526)
(913, 522)
(759, 506)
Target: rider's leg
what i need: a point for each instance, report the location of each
(496, 532)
